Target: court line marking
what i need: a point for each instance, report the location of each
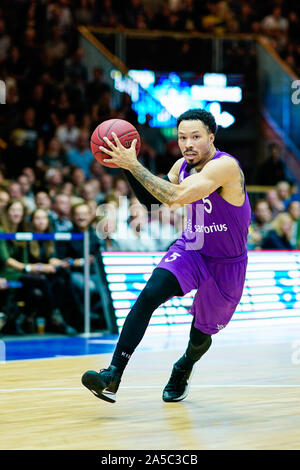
(47, 389)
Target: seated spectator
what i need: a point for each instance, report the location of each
(106, 229)
(67, 188)
(59, 13)
(273, 169)
(81, 156)
(54, 157)
(260, 225)
(88, 191)
(294, 24)
(136, 236)
(53, 180)
(38, 101)
(18, 155)
(78, 179)
(121, 186)
(122, 192)
(14, 266)
(103, 108)
(276, 205)
(56, 46)
(14, 190)
(5, 41)
(84, 12)
(27, 193)
(283, 189)
(96, 87)
(33, 140)
(279, 237)
(15, 65)
(29, 172)
(275, 27)
(295, 191)
(89, 195)
(96, 183)
(42, 200)
(66, 310)
(67, 133)
(60, 213)
(96, 169)
(246, 17)
(212, 22)
(4, 199)
(62, 106)
(73, 253)
(30, 50)
(107, 182)
(294, 211)
(275, 22)
(75, 70)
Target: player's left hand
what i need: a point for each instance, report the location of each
(120, 155)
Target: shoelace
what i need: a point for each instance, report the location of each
(179, 376)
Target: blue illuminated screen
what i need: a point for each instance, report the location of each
(271, 291)
(167, 95)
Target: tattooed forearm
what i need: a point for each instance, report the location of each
(159, 188)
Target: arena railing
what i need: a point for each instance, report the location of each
(69, 236)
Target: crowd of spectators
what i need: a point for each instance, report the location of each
(276, 219)
(49, 180)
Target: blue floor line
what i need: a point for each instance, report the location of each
(54, 347)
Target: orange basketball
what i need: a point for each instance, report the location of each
(125, 131)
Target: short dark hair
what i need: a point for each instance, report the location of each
(199, 115)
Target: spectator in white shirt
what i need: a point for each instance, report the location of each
(275, 21)
(68, 133)
(276, 27)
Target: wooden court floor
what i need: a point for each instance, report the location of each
(244, 394)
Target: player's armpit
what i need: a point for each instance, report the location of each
(173, 174)
(214, 175)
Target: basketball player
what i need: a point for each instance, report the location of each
(210, 256)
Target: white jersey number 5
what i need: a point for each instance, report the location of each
(207, 205)
(172, 257)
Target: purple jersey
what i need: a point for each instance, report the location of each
(211, 257)
(221, 227)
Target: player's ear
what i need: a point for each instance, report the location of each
(212, 137)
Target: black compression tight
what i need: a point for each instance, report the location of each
(161, 286)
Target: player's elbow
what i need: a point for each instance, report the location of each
(179, 198)
(187, 195)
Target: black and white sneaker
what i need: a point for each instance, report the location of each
(103, 384)
(178, 386)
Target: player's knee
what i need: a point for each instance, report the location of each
(149, 293)
(198, 337)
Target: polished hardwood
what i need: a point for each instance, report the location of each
(244, 395)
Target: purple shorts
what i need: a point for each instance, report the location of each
(219, 284)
